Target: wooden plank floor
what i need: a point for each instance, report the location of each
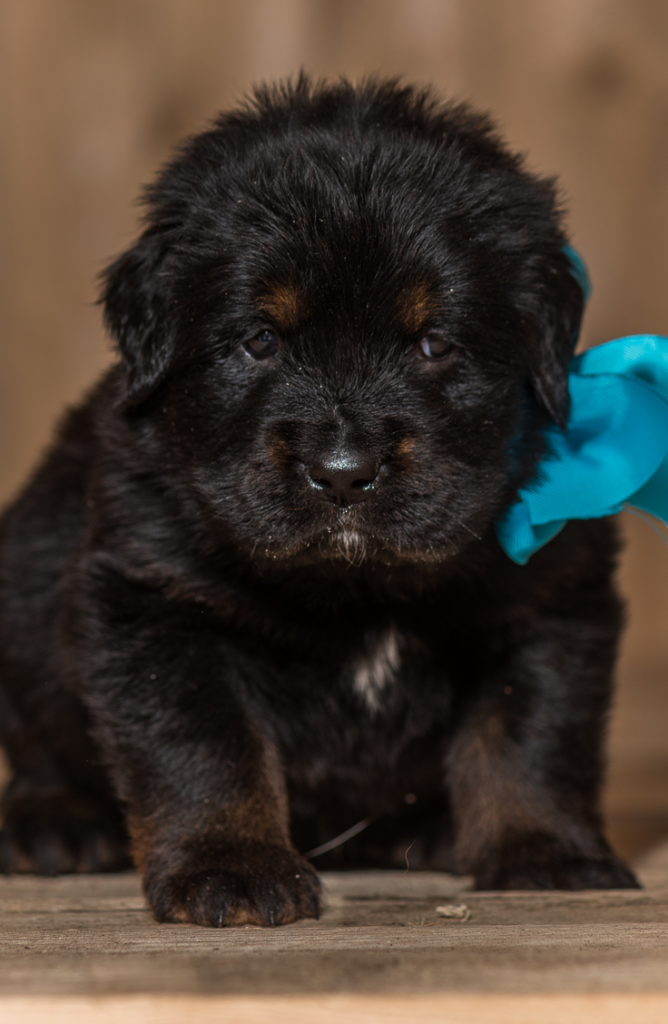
(86, 946)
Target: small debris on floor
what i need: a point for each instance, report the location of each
(457, 912)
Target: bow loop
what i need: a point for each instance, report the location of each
(613, 451)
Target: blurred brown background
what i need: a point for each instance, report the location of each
(94, 93)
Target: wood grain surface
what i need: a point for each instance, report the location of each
(333, 1009)
(381, 934)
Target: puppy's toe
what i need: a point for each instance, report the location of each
(262, 886)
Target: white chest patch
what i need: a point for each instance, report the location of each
(377, 669)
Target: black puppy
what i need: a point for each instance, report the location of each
(254, 594)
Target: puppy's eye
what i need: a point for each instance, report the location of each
(435, 348)
(262, 345)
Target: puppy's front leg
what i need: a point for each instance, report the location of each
(525, 768)
(203, 785)
(226, 858)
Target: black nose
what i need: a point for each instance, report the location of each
(343, 477)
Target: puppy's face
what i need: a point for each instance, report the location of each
(343, 412)
(347, 336)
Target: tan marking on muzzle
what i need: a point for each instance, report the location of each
(404, 454)
(279, 452)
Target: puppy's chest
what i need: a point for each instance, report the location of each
(389, 675)
(346, 685)
(375, 670)
(366, 704)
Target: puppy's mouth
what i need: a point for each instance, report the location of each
(350, 541)
(347, 542)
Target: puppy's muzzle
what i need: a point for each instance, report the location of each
(343, 477)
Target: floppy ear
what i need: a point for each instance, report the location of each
(135, 304)
(558, 329)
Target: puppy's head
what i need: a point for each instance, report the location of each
(346, 324)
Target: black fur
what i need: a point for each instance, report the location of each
(253, 594)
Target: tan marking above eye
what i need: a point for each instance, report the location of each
(416, 306)
(283, 302)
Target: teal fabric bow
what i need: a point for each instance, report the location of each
(614, 450)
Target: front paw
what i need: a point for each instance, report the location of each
(245, 884)
(542, 862)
